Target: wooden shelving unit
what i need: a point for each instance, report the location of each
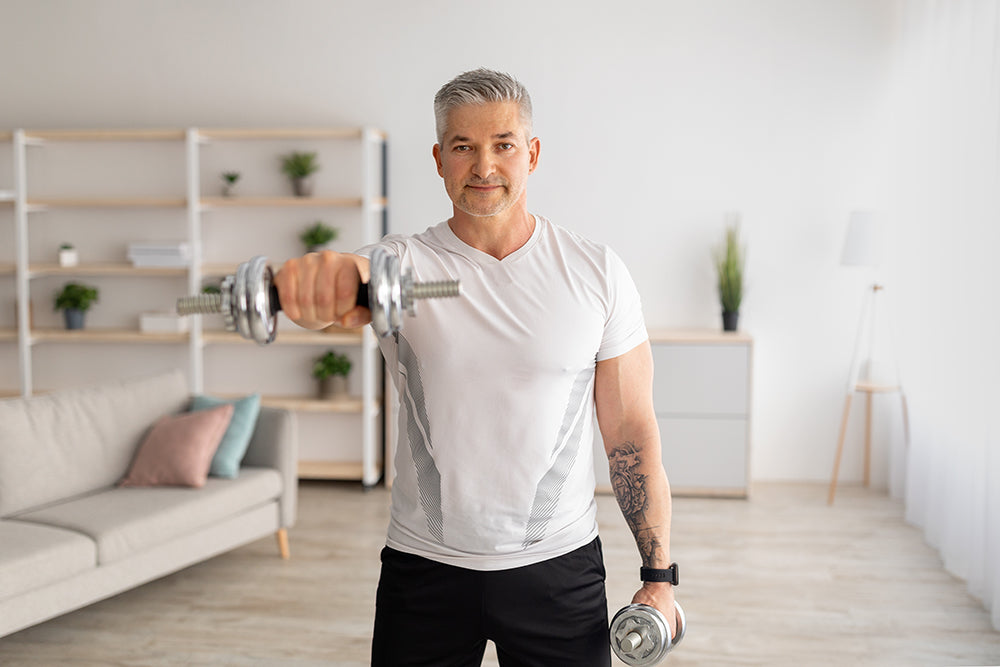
(192, 204)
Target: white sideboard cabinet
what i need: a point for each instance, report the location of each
(701, 393)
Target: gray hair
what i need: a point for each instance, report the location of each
(480, 86)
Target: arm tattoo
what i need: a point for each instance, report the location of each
(630, 490)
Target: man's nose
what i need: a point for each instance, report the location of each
(483, 166)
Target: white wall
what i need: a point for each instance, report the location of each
(655, 119)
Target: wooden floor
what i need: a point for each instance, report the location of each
(779, 580)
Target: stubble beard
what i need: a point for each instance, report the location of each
(468, 204)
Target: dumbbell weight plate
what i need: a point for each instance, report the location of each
(385, 293)
(650, 628)
(640, 636)
(263, 323)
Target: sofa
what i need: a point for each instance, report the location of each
(72, 533)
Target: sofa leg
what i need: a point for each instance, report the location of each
(282, 536)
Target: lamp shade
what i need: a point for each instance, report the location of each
(863, 243)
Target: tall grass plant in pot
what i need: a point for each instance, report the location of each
(730, 261)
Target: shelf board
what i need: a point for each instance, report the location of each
(103, 269)
(295, 337)
(350, 405)
(105, 135)
(282, 133)
(7, 196)
(213, 270)
(875, 388)
(10, 393)
(7, 269)
(104, 336)
(8, 335)
(281, 202)
(41, 204)
(340, 470)
(708, 336)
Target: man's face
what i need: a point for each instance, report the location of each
(485, 158)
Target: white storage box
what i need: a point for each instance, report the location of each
(166, 253)
(162, 323)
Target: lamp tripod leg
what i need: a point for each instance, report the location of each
(840, 449)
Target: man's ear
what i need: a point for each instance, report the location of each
(534, 148)
(437, 159)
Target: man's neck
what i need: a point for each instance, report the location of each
(497, 236)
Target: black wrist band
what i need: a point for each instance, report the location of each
(668, 575)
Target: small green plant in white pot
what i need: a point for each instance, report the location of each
(299, 167)
(229, 181)
(75, 299)
(331, 370)
(67, 255)
(317, 236)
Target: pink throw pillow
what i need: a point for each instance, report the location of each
(178, 449)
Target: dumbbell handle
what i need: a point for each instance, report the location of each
(428, 290)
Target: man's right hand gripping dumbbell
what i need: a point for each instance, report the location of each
(321, 288)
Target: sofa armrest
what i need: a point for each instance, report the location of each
(275, 445)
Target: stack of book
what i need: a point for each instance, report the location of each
(162, 253)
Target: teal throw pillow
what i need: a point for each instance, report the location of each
(232, 449)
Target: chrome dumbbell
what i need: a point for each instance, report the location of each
(640, 635)
(249, 300)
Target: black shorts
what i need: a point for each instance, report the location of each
(549, 614)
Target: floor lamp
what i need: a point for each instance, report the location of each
(863, 247)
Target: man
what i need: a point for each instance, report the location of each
(493, 531)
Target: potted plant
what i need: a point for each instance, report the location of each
(300, 167)
(332, 370)
(229, 180)
(67, 255)
(317, 236)
(75, 300)
(730, 257)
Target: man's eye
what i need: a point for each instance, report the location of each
(462, 149)
(506, 147)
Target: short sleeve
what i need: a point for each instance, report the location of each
(625, 327)
(394, 243)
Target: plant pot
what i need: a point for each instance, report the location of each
(730, 320)
(74, 318)
(333, 387)
(228, 189)
(303, 186)
(68, 258)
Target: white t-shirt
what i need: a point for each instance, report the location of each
(494, 460)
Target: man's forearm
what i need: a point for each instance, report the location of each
(643, 493)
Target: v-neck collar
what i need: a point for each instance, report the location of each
(448, 237)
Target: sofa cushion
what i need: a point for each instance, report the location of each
(232, 449)
(76, 441)
(178, 449)
(125, 521)
(32, 556)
